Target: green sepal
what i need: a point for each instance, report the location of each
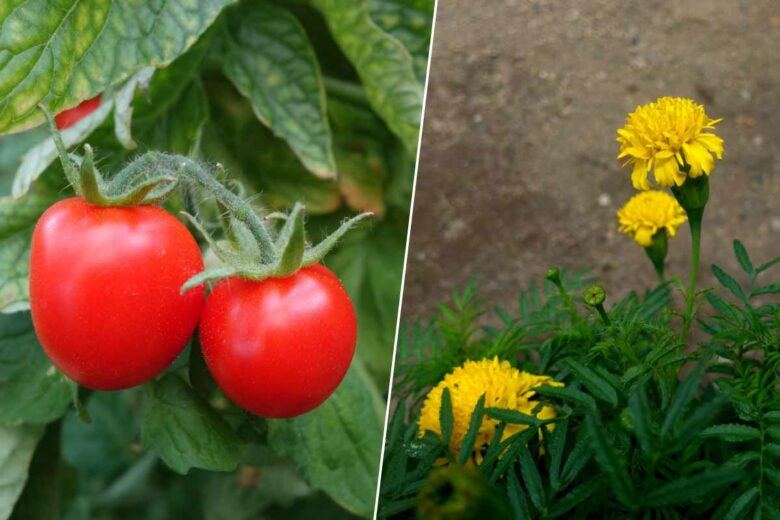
(89, 178)
(291, 243)
(216, 273)
(316, 253)
(693, 194)
(243, 256)
(657, 251)
(140, 183)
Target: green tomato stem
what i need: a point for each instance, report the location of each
(241, 210)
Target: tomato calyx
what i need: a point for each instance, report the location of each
(139, 183)
(255, 248)
(286, 251)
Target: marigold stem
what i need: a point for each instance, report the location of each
(694, 219)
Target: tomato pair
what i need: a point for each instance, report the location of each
(106, 304)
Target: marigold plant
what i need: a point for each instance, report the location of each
(633, 418)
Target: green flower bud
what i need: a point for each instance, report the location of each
(594, 295)
(554, 275)
(455, 492)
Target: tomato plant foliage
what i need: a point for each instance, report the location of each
(315, 102)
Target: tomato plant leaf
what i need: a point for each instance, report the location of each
(369, 263)
(103, 447)
(337, 445)
(42, 497)
(123, 109)
(185, 431)
(57, 52)
(409, 21)
(17, 446)
(266, 162)
(31, 389)
(17, 219)
(167, 112)
(270, 60)
(361, 175)
(383, 64)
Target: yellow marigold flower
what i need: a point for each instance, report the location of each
(503, 386)
(647, 212)
(665, 136)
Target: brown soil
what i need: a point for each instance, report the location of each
(518, 169)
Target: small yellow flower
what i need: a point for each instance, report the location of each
(665, 136)
(503, 386)
(647, 212)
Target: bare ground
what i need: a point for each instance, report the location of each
(518, 170)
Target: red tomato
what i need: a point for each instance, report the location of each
(104, 291)
(70, 117)
(281, 346)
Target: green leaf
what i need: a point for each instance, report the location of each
(573, 498)
(512, 416)
(337, 445)
(271, 61)
(361, 175)
(516, 443)
(383, 64)
(123, 106)
(410, 22)
(611, 461)
(732, 432)
(517, 497)
(728, 282)
(446, 420)
(167, 112)
(639, 407)
(742, 505)
(597, 385)
(763, 267)
(580, 454)
(277, 482)
(42, 498)
(61, 53)
(685, 490)
(467, 446)
(370, 263)
(556, 446)
(686, 393)
(567, 394)
(532, 479)
(742, 256)
(31, 389)
(16, 451)
(251, 152)
(103, 447)
(185, 431)
(17, 219)
(772, 288)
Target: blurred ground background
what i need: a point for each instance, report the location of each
(518, 170)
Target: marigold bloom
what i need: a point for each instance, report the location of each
(669, 136)
(647, 212)
(503, 386)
